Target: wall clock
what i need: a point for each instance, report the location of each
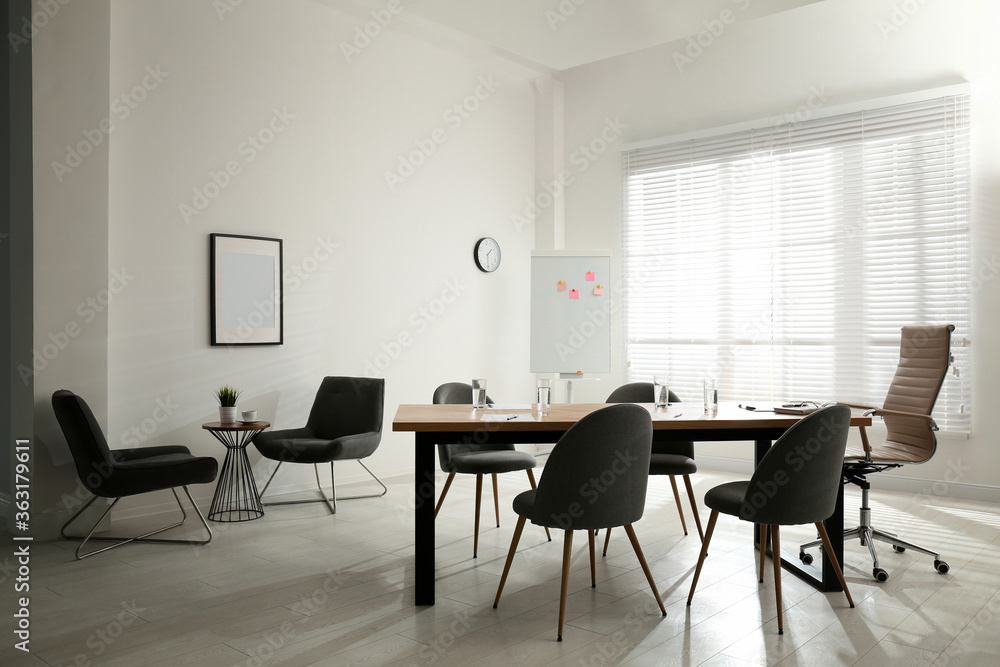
(487, 254)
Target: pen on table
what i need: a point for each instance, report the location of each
(511, 417)
(679, 414)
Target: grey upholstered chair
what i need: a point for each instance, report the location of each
(924, 357)
(118, 473)
(478, 460)
(795, 483)
(345, 423)
(611, 445)
(668, 458)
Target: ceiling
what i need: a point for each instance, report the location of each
(560, 34)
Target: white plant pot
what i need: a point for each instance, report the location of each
(227, 415)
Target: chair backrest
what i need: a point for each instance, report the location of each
(460, 393)
(93, 458)
(596, 475)
(346, 406)
(798, 479)
(643, 392)
(924, 357)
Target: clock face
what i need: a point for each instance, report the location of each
(487, 254)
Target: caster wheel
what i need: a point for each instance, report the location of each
(880, 575)
(898, 549)
(806, 558)
(941, 567)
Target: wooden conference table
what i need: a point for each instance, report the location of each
(434, 425)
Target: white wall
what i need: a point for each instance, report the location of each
(853, 50)
(200, 85)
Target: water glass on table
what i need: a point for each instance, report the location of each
(479, 393)
(661, 391)
(543, 396)
(711, 397)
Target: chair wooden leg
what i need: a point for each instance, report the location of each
(564, 585)
(828, 550)
(776, 558)
(645, 566)
(677, 501)
(607, 540)
(763, 551)
(510, 558)
(593, 566)
(444, 492)
(531, 480)
(496, 499)
(712, 518)
(479, 500)
(694, 506)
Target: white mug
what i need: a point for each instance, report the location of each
(249, 415)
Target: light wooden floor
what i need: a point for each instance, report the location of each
(300, 587)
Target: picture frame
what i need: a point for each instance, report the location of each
(246, 290)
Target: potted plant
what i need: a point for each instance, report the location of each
(227, 397)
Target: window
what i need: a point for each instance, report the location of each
(784, 260)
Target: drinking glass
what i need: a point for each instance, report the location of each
(711, 397)
(479, 393)
(661, 391)
(543, 395)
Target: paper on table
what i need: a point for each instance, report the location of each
(509, 406)
(527, 417)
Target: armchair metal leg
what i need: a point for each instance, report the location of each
(331, 502)
(145, 537)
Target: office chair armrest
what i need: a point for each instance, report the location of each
(882, 412)
(358, 445)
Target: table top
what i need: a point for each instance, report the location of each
(677, 416)
(236, 426)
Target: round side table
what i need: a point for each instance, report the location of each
(236, 497)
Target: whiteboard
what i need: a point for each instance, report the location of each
(571, 335)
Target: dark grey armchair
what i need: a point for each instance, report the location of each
(119, 473)
(613, 441)
(795, 483)
(345, 423)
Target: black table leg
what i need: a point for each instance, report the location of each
(423, 521)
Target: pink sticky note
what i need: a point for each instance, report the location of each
(599, 290)
(573, 294)
(561, 285)
(590, 275)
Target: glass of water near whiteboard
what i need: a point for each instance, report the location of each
(479, 393)
(661, 391)
(543, 396)
(711, 397)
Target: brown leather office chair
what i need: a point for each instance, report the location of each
(924, 357)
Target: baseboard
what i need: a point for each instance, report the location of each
(889, 482)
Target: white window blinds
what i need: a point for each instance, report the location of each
(783, 261)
